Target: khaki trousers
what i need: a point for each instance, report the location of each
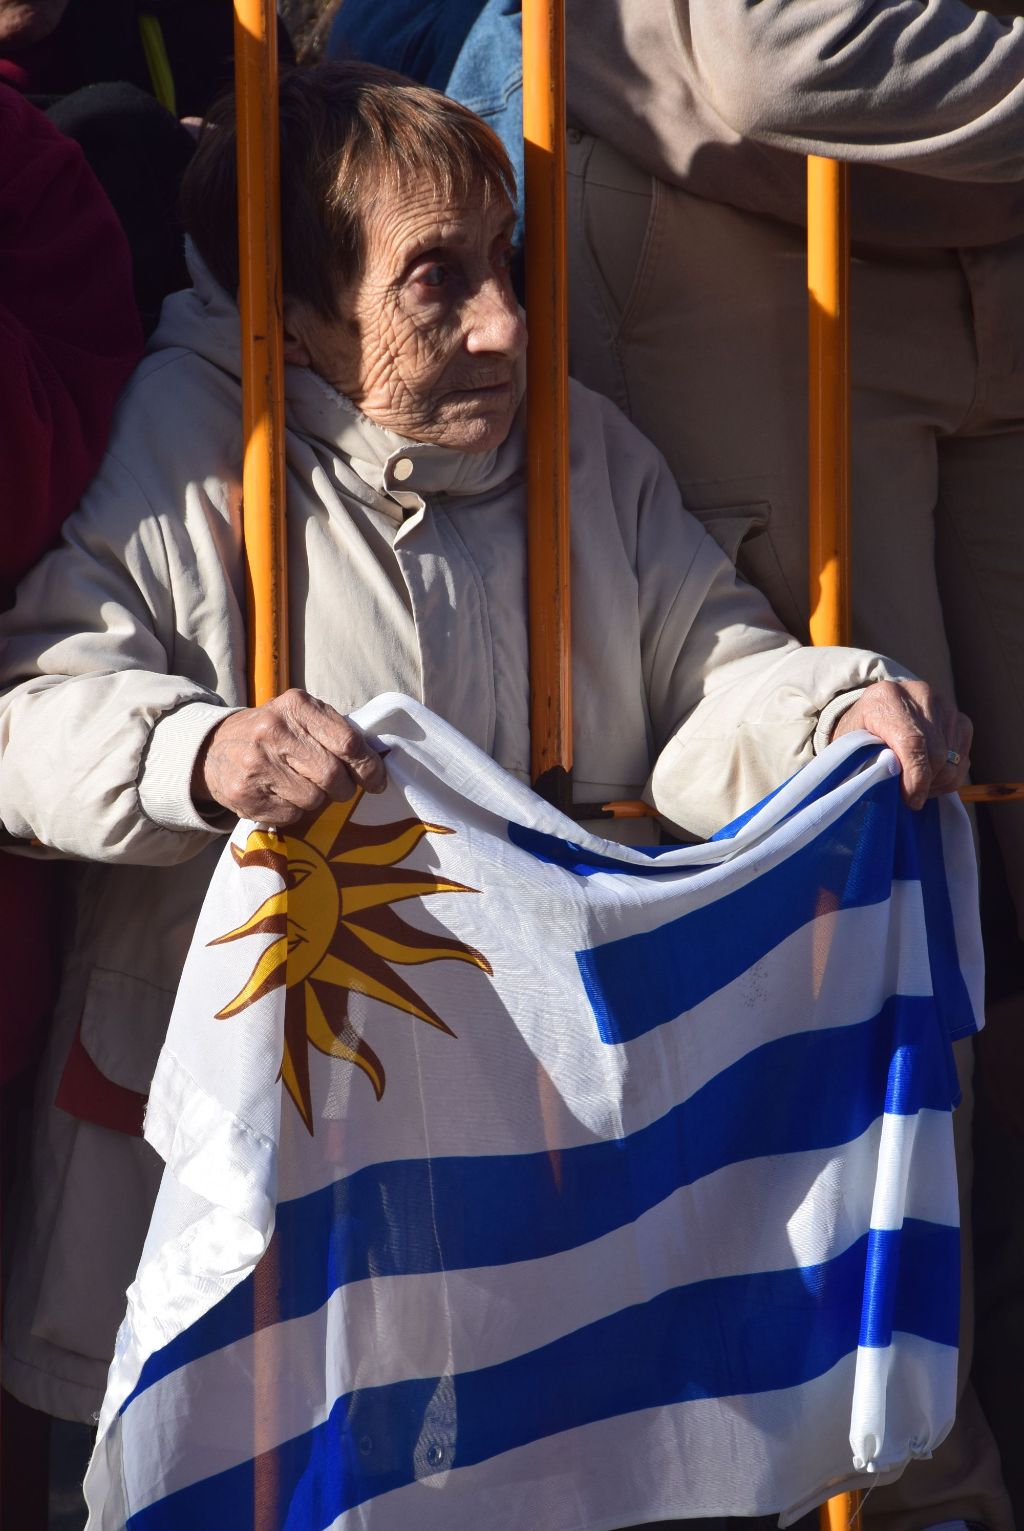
(692, 317)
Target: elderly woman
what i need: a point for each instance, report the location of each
(127, 741)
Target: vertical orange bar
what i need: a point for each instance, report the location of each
(259, 252)
(828, 324)
(841, 1513)
(828, 314)
(548, 400)
(263, 520)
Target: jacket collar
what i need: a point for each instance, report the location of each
(390, 464)
(204, 319)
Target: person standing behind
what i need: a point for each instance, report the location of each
(128, 80)
(690, 123)
(69, 338)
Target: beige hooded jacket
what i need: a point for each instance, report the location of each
(407, 573)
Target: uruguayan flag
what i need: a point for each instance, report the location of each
(516, 1179)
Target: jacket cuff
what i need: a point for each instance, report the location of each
(165, 781)
(830, 714)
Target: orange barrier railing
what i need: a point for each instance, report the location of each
(828, 399)
(828, 506)
(259, 260)
(547, 401)
(828, 315)
(263, 508)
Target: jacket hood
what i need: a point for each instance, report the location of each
(204, 320)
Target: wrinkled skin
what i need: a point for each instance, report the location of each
(429, 335)
(426, 344)
(920, 727)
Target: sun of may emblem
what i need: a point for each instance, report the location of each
(337, 934)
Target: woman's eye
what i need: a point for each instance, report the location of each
(432, 276)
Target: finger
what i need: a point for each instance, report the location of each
(943, 762)
(276, 813)
(342, 739)
(957, 768)
(956, 762)
(307, 757)
(912, 751)
(281, 796)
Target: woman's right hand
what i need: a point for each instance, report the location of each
(281, 761)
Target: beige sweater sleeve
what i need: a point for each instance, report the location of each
(926, 85)
(737, 704)
(96, 732)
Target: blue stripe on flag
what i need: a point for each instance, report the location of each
(573, 858)
(809, 1091)
(731, 1336)
(641, 981)
(930, 1308)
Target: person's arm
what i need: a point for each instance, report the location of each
(105, 752)
(69, 332)
(932, 86)
(737, 704)
(88, 651)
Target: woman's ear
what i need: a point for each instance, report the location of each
(296, 351)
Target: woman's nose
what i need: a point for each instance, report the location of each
(495, 322)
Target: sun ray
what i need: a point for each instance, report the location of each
(336, 1044)
(325, 829)
(391, 990)
(269, 973)
(271, 917)
(381, 852)
(295, 1059)
(336, 934)
(404, 944)
(262, 849)
(410, 885)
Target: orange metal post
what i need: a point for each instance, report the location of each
(259, 231)
(828, 316)
(828, 324)
(843, 1513)
(548, 400)
(828, 292)
(263, 520)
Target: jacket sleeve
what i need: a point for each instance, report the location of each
(737, 704)
(97, 734)
(926, 85)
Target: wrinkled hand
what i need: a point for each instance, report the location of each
(921, 729)
(278, 762)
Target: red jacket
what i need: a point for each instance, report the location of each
(69, 337)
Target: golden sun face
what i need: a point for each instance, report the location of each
(337, 934)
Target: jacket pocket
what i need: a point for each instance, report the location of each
(731, 525)
(124, 1022)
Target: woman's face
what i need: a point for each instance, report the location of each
(429, 335)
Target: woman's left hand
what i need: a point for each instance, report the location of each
(923, 731)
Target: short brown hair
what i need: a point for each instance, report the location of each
(346, 131)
